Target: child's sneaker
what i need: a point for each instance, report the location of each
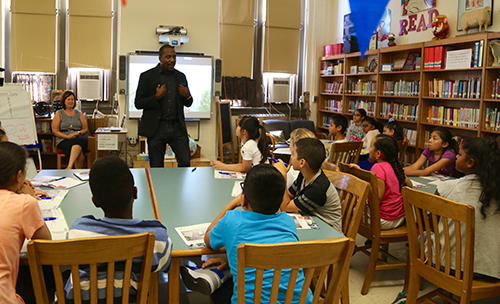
(205, 280)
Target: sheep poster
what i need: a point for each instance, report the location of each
(472, 5)
(410, 7)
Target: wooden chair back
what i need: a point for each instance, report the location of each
(433, 224)
(329, 166)
(272, 147)
(92, 253)
(353, 193)
(402, 146)
(307, 255)
(346, 152)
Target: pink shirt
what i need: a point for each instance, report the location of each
(20, 217)
(391, 206)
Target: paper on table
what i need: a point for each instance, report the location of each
(303, 221)
(236, 189)
(417, 184)
(193, 235)
(43, 180)
(228, 174)
(59, 224)
(56, 198)
(66, 182)
(83, 175)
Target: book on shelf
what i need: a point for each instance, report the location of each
(405, 88)
(399, 111)
(492, 119)
(457, 117)
(495, 89)
(334, 87)
(455, 88)
(333, 105)
(368, 105)
(411, 135)
(481, 51)
(362, 87)
(43, 127)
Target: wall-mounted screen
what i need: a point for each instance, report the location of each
(199, 73)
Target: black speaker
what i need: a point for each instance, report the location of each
(218, 70)
(122, 65)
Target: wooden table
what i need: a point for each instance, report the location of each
(186, 197)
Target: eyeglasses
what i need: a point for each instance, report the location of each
(243, 191)
(366, 126)
(356, 114)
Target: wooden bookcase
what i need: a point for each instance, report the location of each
(380, 100)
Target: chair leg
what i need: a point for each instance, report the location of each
(407, 274)
(413, 286)
(59, 156)
(371, 267)
(345, 293)
(385, 248)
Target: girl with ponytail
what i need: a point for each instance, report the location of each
(254, 146)
(479, 160)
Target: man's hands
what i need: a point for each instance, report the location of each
(160, 91)
(184, 91)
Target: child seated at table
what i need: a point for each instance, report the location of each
(113, 190)
(338, 127)
(20, 218)
(312, 192)
(441, 154)
(371, 128)
(258, 222)
(295, 136)
(479, 160)
(355, 130)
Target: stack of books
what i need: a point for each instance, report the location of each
(334, 105)
(368, 105)
(457, 117)
(334, 87)
(492, 120)
(362, 87)
(455, 88)
(399, 111)
(401, 88)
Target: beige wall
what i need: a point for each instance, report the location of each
(139, 20)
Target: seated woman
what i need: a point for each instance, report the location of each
(69, 127)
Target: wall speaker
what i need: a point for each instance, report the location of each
(122, 65)
(218, 77)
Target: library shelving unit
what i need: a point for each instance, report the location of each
(46, 135)
(410, 97)
(331, 89)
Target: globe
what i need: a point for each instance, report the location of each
(192, 146)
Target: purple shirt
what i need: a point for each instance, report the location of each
(448, 154)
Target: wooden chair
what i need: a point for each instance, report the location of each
(330, 167)
(272, 147)
(370, 229)
(92, 252)
(307, 255)
(346, 152)
(402, 146)
(60, 155)
(353, 193)
(424, 211)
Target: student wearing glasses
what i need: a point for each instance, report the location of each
(355, 131)
(371, 128)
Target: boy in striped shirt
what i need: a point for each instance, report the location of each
(113, 190)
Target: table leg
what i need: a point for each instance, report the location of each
(173, 281)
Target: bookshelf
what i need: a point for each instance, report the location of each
(466, 100)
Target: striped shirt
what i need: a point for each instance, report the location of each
(89, 226)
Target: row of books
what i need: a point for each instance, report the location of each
(458, 139)
(47, 145)
(368, 105)
(43, 127)
(455, 88)
(434, 57)
(495, 89)
(326, 121)
(334, 105)
(411, 135)
(492, 121)
(409, 158)
(399, 111)
(458, 117)
(362, 87)
(401, 88)
(39, 85)
(334, 87)
(478, 54)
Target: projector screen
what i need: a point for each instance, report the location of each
(199, 73)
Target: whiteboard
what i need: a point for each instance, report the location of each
(16, 115)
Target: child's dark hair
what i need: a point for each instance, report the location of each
(257, 133)
(12, 160)
(446, 137)
(264, 187)
(111, 183)
(486, 156)
(312, 150)
(341, 120)
(361, 112)
(397, 128)
(388, 146)
(377, 124)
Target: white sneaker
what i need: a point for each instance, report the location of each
(205, 280)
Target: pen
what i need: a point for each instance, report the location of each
(60, 178)
(224, 173)
(50, 219)
(45, 197)
(193, 169)
(275, 160)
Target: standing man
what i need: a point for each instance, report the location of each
(163, 93)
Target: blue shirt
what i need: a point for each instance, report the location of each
(238, 227)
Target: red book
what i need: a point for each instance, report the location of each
(428, 58)
(439, 53)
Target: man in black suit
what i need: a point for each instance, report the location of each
(163, 93)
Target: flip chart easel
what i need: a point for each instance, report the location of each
(16, 115)
(225, 134)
